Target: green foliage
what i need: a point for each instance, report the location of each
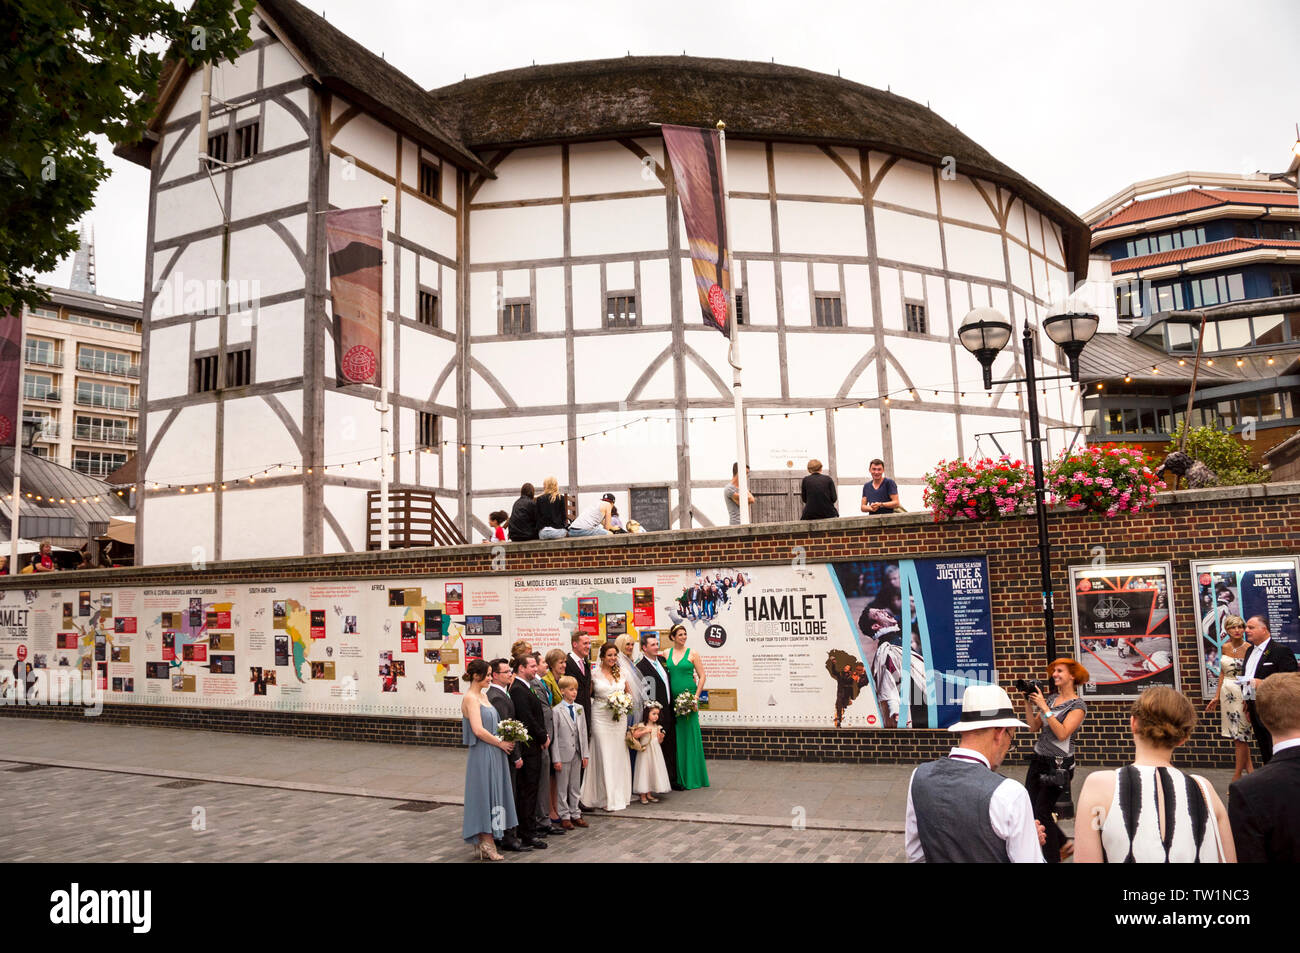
(73, 71)
(1223, 453)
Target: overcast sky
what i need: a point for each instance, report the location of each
(1082, 99)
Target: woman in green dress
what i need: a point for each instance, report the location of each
(686, 674)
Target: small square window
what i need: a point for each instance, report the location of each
(620, 311)
(914, 317)
(246, 141)
(428, 309)
(830, 311)
(430, 430)
(217, 146)
(430, 179)
(516, 317)
(239, 367)
(740, 307)
(205, 374)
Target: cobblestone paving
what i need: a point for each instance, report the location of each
(75, 816)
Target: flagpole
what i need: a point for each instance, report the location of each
(733, 357)
(382, 406)
(15, 520)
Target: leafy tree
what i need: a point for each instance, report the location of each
(1223, 453)
(73, 70)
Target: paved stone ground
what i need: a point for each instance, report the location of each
(73, 815)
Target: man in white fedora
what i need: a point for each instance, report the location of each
(958, 809)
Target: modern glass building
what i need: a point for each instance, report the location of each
(1187, 250)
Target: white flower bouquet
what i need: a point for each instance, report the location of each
(685, 703)
(513, 730)
(620, 703)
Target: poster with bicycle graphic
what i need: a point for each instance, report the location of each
(1124, 627)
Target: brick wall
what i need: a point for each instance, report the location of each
(1186, 526)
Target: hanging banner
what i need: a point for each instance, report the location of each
(697, 170)
(356, 277)
(1244, 587)
(11, 376)
(1123, 628)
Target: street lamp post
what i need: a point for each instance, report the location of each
(985, 332)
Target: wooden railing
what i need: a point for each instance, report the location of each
(415, 518)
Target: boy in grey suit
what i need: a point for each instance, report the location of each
(569, 753)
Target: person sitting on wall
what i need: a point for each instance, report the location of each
(818, 494)
(596, 520)
(522, 524)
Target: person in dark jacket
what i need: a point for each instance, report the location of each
(552, 519)
(818, 494)
(1264, 806)
(522, 525)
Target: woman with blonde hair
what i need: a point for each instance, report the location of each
(1056, 718)
(1234, 721)
(1150, 812)
(552, 518)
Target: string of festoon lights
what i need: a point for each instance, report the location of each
(911, 393)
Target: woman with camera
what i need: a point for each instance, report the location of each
(1056, 718)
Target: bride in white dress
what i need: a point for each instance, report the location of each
(608, 783)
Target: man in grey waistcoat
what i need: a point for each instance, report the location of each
(958, 809)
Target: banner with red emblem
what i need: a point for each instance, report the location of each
(697, 169)
(355, 241)
(11, 375)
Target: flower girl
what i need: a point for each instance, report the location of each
(651, 771)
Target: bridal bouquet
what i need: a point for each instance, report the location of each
(685, 703)
(620, 703)
(513, 730)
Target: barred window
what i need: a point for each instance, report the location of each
(914, 317)
(217, 146)
(239, 367)
(620, 311)
(428, 309)
(430, 179)
(516, 317)
(246, 140)
(740, 307)
(829, 311)
(205, 374)
(430, 430)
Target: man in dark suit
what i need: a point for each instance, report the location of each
(498, 694)
(651, 667)
(1264, 658)
(1264, 806)
(578, 667)
(818, 494)
(529, 710)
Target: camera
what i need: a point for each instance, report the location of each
(1029, 686)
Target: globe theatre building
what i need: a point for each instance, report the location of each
(542, 315)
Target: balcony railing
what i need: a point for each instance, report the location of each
(108, 403)
(95, 468)
(43, 359)
(48, 395)
(115, 435)
(111, 369)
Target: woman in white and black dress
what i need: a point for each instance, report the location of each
(1150, 812)
(608, 782)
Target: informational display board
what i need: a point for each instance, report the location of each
(1124, 627)
(1264, 587)
(866, 644)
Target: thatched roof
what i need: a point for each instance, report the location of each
(600, 99)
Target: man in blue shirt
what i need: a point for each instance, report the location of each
(879, 496)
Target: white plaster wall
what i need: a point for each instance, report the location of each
(186, 453)
(511, 467)
(279, 342)
(818, 370)
(820, 228)
(351, 434)
(205, 333)
(936, 307)
(370, 141)
(177, 528)
(531, 371)
(606, 367)
(186, 289)
(516, 234)
(185, 161)
(760, 293)
(347, 504)
(255, 438)
(424, 357)
(618, 225)
(588, 307)
(908, 183)
(525, 174)
(776, 439)
(750, 221)
(279, 65)
(794, 294)
(807, 170)
(974, 252)
(857, 441)
(186, 208)
(962, 201)
(268, 184)
(282, 127)
(482, 303)
(891, 300)
(761, 360)
(357, 189)
(746, 166)
(259, 254)
(169, 366)
(246, 514)
(908, 238)
(656, 292)
(928, 364)
(620, 276)
(427, 224)
(596, 168)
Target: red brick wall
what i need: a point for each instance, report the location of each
(1203, 524)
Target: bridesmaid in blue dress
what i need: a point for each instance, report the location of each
(489, 799)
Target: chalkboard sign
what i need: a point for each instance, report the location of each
(649, 506)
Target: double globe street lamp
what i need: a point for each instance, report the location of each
(985, 332)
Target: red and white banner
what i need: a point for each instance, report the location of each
(696, 156)
(355, 241)
(11, 377)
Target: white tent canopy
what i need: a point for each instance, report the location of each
(27, 546)
(121, 529)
